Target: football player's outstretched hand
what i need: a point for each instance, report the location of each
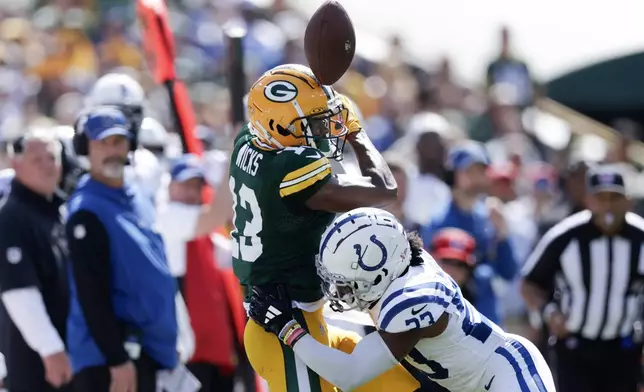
(274, 312)
(352, 121)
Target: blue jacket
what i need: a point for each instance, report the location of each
(143, 291)
(493, 257)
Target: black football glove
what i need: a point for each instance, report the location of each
(274, 312)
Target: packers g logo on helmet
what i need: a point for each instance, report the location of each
(280, 91)
(287, 107)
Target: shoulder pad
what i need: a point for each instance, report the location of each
(243, 133)
(301, 151)
(302, 167)
(418, 303)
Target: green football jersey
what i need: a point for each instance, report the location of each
(276, 237)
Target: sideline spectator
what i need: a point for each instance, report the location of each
(466, 175)
(122, 324)
(453, 249)
(183, 219)
(400, 170)
(510, 71)
(33, 276)
(429, 133)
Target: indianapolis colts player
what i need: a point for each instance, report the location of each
(368, 262)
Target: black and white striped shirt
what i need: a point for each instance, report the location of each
(597, 280)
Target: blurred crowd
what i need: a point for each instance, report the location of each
(52, 52)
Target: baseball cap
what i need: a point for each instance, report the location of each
(455, 244)
(605, 179)
(464, 155)
(187, 167)
(103, 122)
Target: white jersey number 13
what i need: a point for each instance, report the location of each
(247, 246)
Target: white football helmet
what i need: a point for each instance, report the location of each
(153, 135)
(120, 90)
(115, 89)
(361, 253)
(63, 132)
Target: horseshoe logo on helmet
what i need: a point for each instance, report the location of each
(280, 91)
(360, 254)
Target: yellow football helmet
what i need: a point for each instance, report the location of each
(287, 107)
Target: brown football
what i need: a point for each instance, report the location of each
(329, 42)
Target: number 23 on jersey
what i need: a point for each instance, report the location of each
(247, 246)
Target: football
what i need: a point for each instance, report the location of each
(329, 42)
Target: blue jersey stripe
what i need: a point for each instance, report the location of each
(410, 302)
(427, 285)
(480, 330)
(532, 368)
(515, 365)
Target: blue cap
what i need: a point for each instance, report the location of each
(104, 122)
(465, 155)
(187, 167)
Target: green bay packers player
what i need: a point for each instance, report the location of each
(284, 196)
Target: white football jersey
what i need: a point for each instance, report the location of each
(457, 358)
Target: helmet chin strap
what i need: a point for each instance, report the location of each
(305, 124)
(258, 130)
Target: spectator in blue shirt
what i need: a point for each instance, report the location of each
(468, 210)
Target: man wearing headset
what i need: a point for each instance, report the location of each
(122, 327)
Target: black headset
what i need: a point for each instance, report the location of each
(18, 145)
(80, 141)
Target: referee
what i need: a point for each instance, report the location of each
(33, 276)
(586, 277)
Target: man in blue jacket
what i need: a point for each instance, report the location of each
(122, 327)
(466, 174)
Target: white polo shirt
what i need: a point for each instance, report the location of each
(177, 223)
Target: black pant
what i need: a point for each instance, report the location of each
(47, 388)
(98, 379)
(212, 379)
(589, 366)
